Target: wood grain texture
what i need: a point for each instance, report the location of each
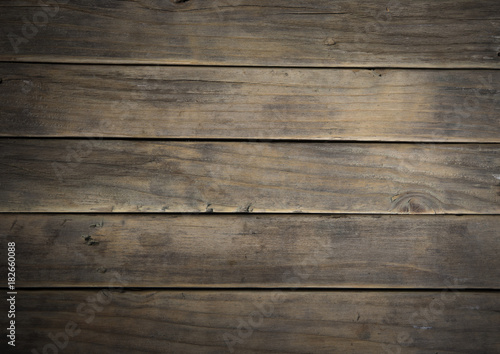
(369, 33)
(267, 251)
(189, 102)
(260, 322)
(61, 175)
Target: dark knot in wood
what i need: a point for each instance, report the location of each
(415, 203)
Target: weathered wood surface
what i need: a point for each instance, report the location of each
(40, 175)
(190, 102)
(265, 251)
(259, 322)
(206, 267)
(368, 33)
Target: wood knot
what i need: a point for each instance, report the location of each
(329, 41)
(415, 203)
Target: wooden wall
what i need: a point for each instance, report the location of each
(248, 176)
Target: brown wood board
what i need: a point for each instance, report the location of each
(249, 103)
(344, 33)
(255, 251)
(92, 175)
(259, 322)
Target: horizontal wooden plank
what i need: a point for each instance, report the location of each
(189, 102)
(368, 33)
(58, 175)
(257, 322)
(267, 251)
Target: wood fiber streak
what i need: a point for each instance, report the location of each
(322, 33)
(249, 103)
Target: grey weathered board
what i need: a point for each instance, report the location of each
(161, 321)
(368, 33)
(266, 251)
(251, 103)
(47, 175)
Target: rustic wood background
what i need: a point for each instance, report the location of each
(248, 176)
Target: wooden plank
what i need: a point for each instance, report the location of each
(41, 175)
(189, 102)
(267, 251)
(258, 322)
(368, 33)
